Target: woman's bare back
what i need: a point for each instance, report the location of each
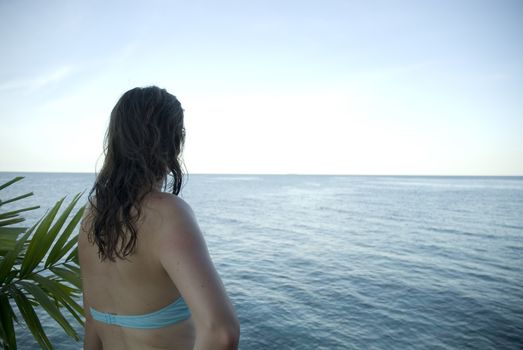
(135, 286)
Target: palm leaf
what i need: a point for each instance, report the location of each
(60, 292)
(72, 243)
(55, 285)
(9, 183)
(13, 213)
(16, 198)
(56, 253)
(53, 232)
(73, 256)
(31, 319)
(40, 242)
(7, 263)
(78, 316)
(45, 301)
(73, 268)
(6, 323)
(68, 276)
(8, 237)
(10, 221)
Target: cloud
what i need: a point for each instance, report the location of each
(37, 82)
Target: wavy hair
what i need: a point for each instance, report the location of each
(142, 146)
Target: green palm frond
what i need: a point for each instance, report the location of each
(38, 267)
(8, 235)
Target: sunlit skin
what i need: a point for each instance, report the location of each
(171, 259)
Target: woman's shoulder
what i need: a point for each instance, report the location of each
(168, 212)
(172, 224)
(167, 203)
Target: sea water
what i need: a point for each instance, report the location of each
(350, 262)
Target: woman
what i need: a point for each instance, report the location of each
(148, 280)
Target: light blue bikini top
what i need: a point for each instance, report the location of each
(168, 315)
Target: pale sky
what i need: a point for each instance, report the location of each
(302, 87)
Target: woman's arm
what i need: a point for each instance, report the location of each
(184, 255)
(91, 339)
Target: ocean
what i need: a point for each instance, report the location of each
(350, 262)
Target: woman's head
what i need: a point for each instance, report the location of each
(142, 146)
(146, 135)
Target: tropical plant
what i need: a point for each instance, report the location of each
(38, 268)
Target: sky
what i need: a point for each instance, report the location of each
(271, 87)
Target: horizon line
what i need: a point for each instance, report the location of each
(274, 174)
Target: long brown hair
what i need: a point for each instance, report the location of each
(143, 145)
